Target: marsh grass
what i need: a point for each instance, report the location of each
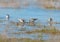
(19, 40)
(49, 30)
(46, 29)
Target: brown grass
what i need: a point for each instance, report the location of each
(19, 40)
(49, 31)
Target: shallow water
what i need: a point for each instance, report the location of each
(41, 14)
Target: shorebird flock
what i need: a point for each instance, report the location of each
(31, 21)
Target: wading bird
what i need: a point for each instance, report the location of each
(21, 22)
(50, 21)
(7, 17)
(32, 21)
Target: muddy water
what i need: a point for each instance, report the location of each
(12, 31)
